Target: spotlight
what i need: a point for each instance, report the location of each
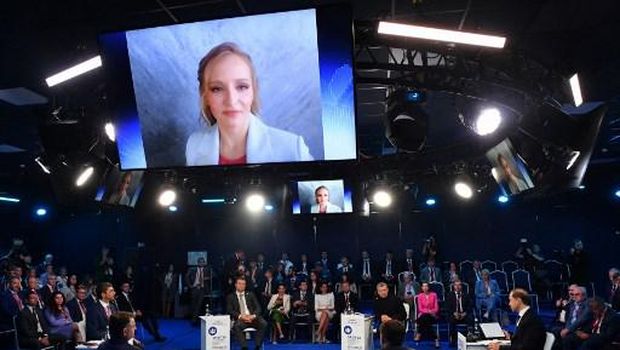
(582, 187)
(406, 123)
(463, 190)
(41, 212)
(382, 199)
(43, 166)
(451, 36)
(269, 207)
(167, 197)
(431, 202)
(85, 175)
(576, 90)
(255, 203)
(74, 71)
(173, 208)
(502, 199)
(617, 193)
(110, 131)
(488, 121)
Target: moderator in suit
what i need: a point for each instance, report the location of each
(530, 333)
(97, 320)
(264, 144)
(250, 317)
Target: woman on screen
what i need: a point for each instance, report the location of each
(323, 206)
(233, 133)
(515, 183)
(120, 195)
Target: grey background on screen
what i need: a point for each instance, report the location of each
(306, 193)
(164, 63)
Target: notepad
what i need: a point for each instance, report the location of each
(492, 330)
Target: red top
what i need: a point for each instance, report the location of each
(228, 161)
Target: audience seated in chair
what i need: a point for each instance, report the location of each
(458, 305)
(430, 273)
(407, 291)
(614, 290)
(59, 319)
(487, 297)
(387, 306)
(428, 314)
(245, 311)
(11, 303)
(279, 308)
(302, 305)
(324, 308)
(597, 331)
(33, 331)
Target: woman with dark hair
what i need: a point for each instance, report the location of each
(59, 319)
(428, 314)
(324, 305)
(279, 307)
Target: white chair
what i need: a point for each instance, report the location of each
(549, 342)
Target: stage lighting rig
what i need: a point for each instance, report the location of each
(406, 123)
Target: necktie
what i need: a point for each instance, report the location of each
(36, 316)
(302, 296)
(460, 303)
(242, 305)
(81, 304)
(346, 298)
(388, 268)
(366, 268)
(573, 316)
(200, 278)
(432, 274)
(108, 311)
(518, 320)
(409, 264)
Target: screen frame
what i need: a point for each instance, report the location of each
(326, 9)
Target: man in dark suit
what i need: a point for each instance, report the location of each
(122, 331)
(48, 289)
(388, 270)
(530, 332)
(302, 304)
(601, 328)
(32, 327)
(245, 311)
(125, 303)
(304, 266)
(10, 303)
(98, 314)
(408, 263)
(267, 288)
(387, 306)
(346, 299)
(197, 279)
(32, 284)
(459, 306)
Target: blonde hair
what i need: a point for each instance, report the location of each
(220, 50)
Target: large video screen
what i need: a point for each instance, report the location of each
(321, 197)
(266, 88)
(120, 188)
(509, 170)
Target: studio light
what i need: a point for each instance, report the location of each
(488, 121)
(9, 199)
(573, 158)
(582, 187)
(575, 88)
(269, 207)
(463, 190)
(41, 212)
(255, 203)
(382, 199)
(43, 166)
(110, 131)
(74, 71)
(436, 34)
(213, 200)
(431, 202)
(502, 199)
(84, 176)
(167, 197)
(617, 193)
(173, 208)
(406, 123)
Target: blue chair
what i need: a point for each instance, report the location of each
(521, 279)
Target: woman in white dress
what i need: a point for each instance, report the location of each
(324, 305)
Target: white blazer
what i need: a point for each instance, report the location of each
(331, 208)
(264, 145)
(286, 302)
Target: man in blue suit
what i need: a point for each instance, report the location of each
(98, 313)
(577, 312)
